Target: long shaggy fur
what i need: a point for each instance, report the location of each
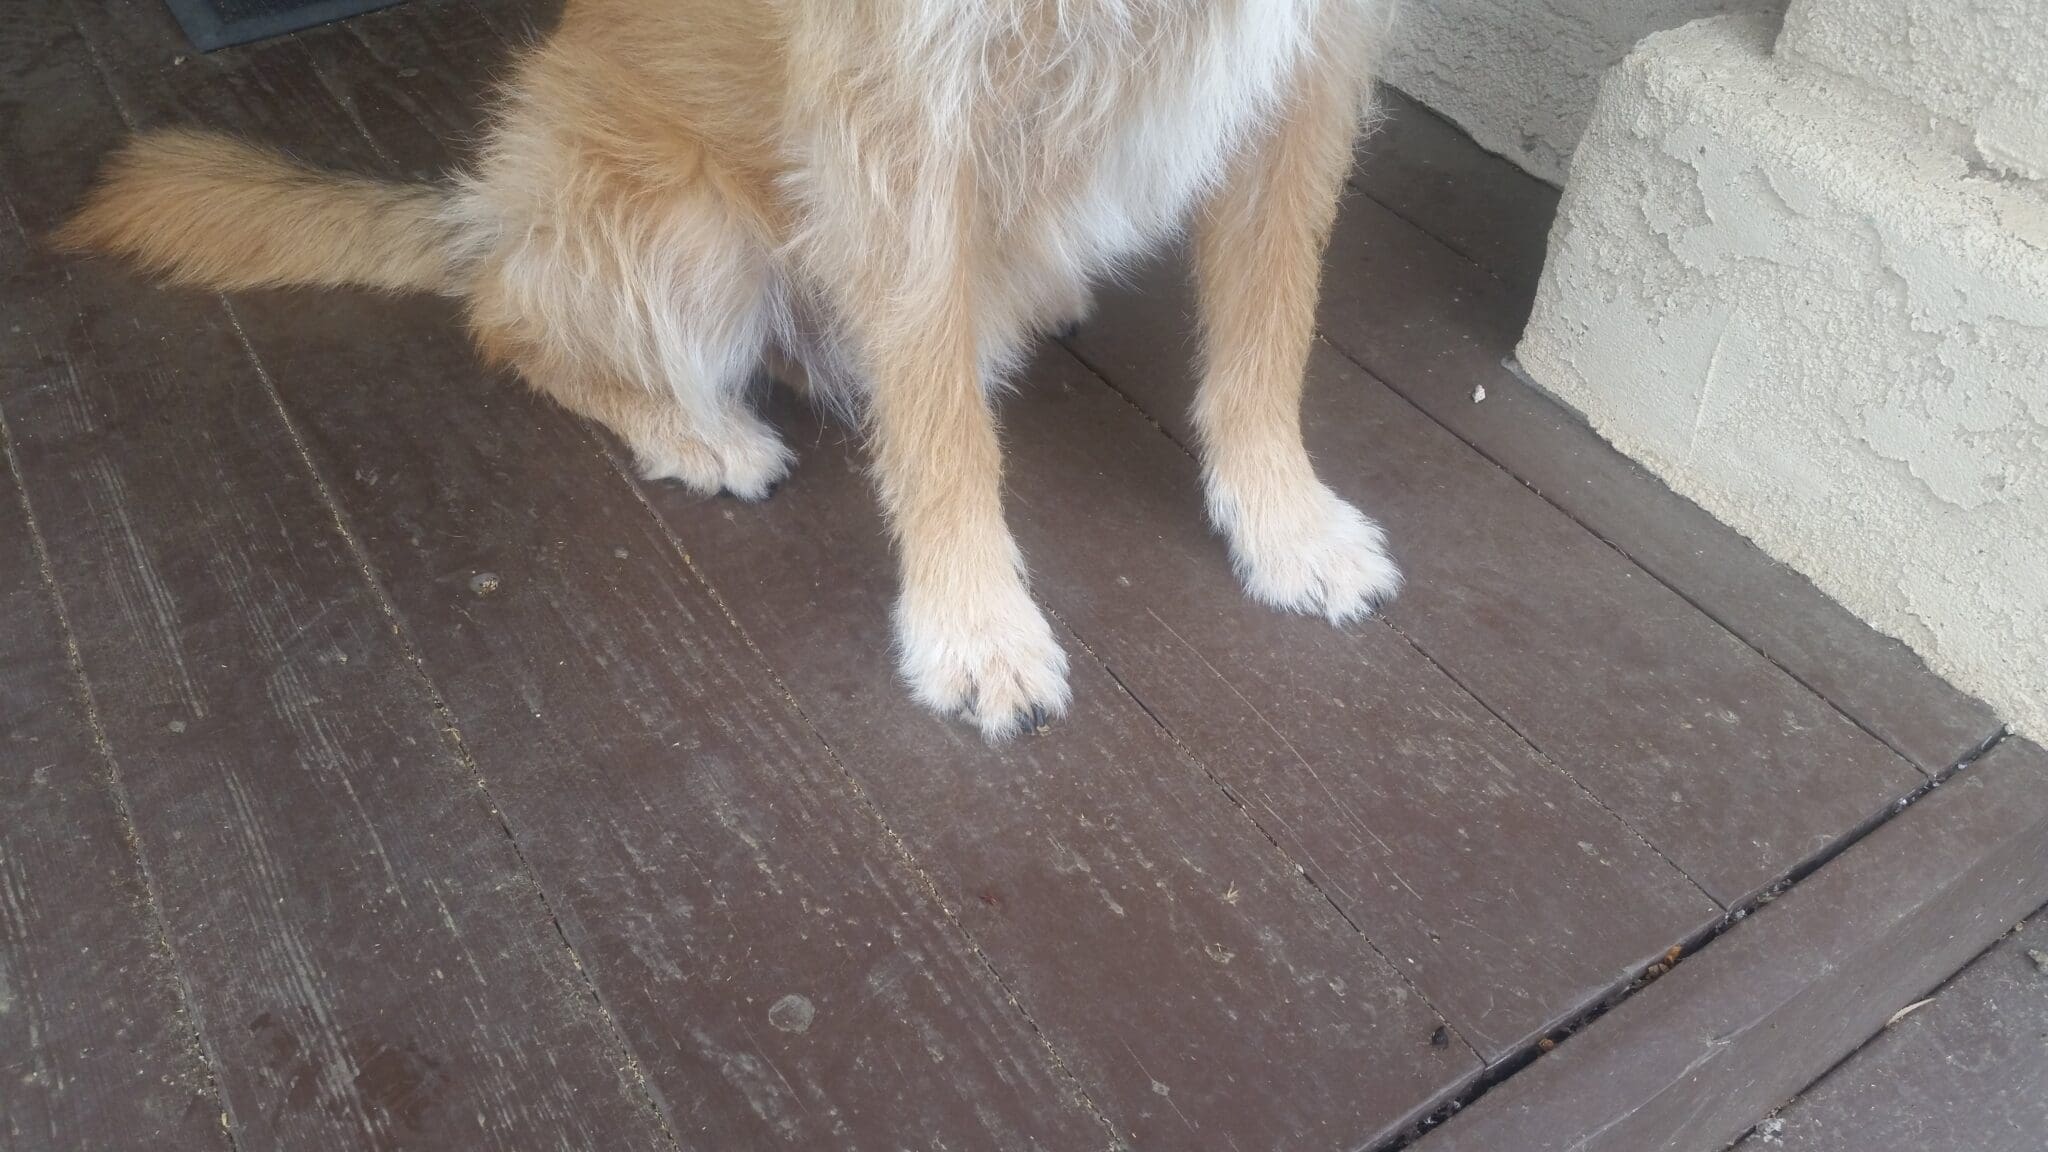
(204, 209)
(888, 200)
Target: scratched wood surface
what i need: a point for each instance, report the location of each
(366, 956)
(97, 1046)
(1421, 168)
(779, 969)
(487, 796)
(96, 1049)
(1438, 330)
(1734, 770)
(1967, 1069)
(1101, 1039)
(1411, 806)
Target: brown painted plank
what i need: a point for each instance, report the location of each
(1433, 329)
(1427, 171)
(1692, 1061)
(1190, 978)
(96, 1048)
(780, 971)
(1506, 951)
(96, 1051)
(1969, 1071)
(1507, 894)
(1207, 994)
(1729, 767)
(365, 955)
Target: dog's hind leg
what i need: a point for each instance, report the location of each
(1258, 254)
(650, 320)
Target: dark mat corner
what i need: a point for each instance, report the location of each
(211, 24)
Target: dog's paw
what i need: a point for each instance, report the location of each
(745, 459)
(992, 660)
(1312, 553)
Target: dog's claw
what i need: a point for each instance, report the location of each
(1036, 720)
(1067, 330)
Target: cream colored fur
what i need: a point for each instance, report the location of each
(889, 198)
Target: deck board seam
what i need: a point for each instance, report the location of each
(1520, 736)
(1187, 753)
(451, 732)
(1646, 567)
(1355, 188)
(616, 466)
(189, 1014)
(614, 1037)
(895, 841)
(1504, 1069)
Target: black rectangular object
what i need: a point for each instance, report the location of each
(212, 24)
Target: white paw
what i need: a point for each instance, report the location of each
(991, 659)
(746, 459)
(1309, 552)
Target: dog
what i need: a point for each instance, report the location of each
(885, 201)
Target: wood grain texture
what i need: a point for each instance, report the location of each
(1206, 993)
(780, 970)
(1434, 329)
(366, 956)
(96, 1049)
(1692, 1061)
(1414, 809)
(1733, 770)
(1425, 170)
(1968, 1071)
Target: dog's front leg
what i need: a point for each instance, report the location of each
(969, 638)
(1258, 257)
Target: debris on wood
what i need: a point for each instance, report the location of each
(2040, 960)
(1908, 1010)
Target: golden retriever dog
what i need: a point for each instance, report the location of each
(887, 200)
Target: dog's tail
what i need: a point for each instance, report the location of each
(208, 210)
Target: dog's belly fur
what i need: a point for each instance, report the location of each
(645, 225)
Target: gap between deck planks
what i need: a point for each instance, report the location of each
(1697, 1058)
(96, 1047)
(1609, 896)
(1967, 1069)
(1433, 329)
(364, 958)
(1481, 726)
(1604, 977)
(1733, 770)
(1280, 987)
(672, 881)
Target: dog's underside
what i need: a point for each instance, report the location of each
(885, 201)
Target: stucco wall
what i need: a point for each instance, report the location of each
(1521, 75)
(1982, 64)
(1792, 296)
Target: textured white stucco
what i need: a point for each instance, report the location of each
(1980, 63)
(1520, 75)
(1793, 298)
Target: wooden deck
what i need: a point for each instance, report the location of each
(383, 766)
